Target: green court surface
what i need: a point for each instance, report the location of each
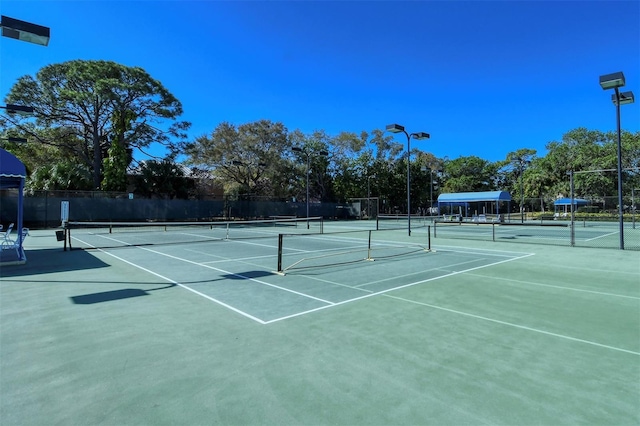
(469, 332)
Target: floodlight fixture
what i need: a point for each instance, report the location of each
(625, 98)
(615, 81)
(612, 81)
(17, 140)
(395, 128)
(18, 109)
(25, 31)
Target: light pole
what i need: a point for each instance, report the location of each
(248, 169)
(24, 31)
(31, 33)
(615, 81)
(308, 154)
(633, 207)
(431, 193)
(369, 196)
(521, 162)
(396, 128)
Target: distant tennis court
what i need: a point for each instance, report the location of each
(316, 322)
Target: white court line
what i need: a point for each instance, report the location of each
(236, 275)
(443, 268)
(601, 236)
(522, 327)
(219, 302)
(223, 271)
(478, 251)
(606, 271)
(557, 287)
(393, 289)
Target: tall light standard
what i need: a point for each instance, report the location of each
(308, 154)
(633, 207)
(521, 162)
(248, 172)
(424, 169)
(615, 81)
(24, 31)
(31, 33)
(369, 196)
(396, 128)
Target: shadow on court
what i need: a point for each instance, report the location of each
(109, 296)
(45, 261)
(128, 293)
(247, 275)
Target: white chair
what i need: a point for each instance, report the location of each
(9, 244)
(6, 236)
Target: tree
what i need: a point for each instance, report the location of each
(81, 98)
(117, 160)
(518, 161)
(248, 158)
(311, 146)
(163, 179)
(469, 174)
(61, 175)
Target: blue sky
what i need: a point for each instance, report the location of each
(482, 77)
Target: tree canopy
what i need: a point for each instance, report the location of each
(92, 116)
(91, 104)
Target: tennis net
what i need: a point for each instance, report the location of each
(127, 234)
(305, 251)
(398, 221)
(557, 233)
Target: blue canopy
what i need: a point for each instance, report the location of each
(464, 200)
(473, 197)
(12, 175)
(11, 170)
(567, 202)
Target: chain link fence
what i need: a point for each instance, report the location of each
(594, 223)
(42, 209)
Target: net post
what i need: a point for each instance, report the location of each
(369, 247)
(227, 237)
(280, 254)
(65, 229)
(429, 237)
(111, 228)
(493, 232)
(67, 233)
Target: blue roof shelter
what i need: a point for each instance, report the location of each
(12, 175)
(566, 202)
(465, 199)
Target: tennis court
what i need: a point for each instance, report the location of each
(319, 323)
(585, 234)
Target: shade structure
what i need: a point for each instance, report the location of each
(567, 202)
(463, 200)
(12, 176)
(472, 197)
